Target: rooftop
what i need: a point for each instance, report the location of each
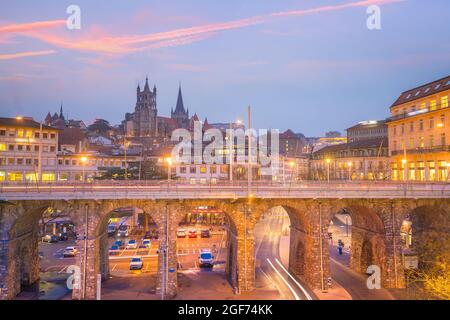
(423, 91)
(360, 144)
(22, 122)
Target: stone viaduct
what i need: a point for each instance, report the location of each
(377, 213)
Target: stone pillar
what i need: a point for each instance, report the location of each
(104, 256)
(8, 270)
(394, 275)
(145, 221)
(89, 259)
(245, 262)
(167, 278)
(29, 256)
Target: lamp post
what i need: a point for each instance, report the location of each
(125, 147)
(328, 161)
(169, 169)
(349, 164)
(83, 161)
(405, 163)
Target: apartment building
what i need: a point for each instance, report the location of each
(23, 142)
(419, 130)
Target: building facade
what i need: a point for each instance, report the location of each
(419, 130)
(23, 142)
(358, 160)
(365, 130)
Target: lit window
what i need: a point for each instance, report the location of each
(444, 102)
(433, 105)
(2, 146)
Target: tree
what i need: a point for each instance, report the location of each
(100, 126)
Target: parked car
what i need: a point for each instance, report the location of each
(192, 233)
(114, 250)
(136, 263)
(132, 244)
(119, 244)
(205, 233)
(63, 236)
(181, 233)
(146, 243)
(70, 252)
(50, 238)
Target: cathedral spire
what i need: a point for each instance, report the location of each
(61, 115)
(180, 105)
(146, 88)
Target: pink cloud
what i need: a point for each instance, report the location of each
(103, 43)
(26, 54)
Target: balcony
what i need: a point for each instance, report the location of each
(416, 113)
(436, 149)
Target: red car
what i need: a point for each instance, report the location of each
(192, 233)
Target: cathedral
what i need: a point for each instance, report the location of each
(145, 122)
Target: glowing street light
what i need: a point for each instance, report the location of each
(349, 164)
(328, 161)
(404, 162)
(169, 161)
(83, 161)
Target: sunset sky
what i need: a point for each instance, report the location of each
(308, 65)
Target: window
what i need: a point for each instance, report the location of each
(29, 134)
(36, 134)
(431, 141)
(10, 161)
(423, 105)
(444, 102)
(421, 125)
(20, 147)
(19, 161)
(442, 139)
(28, 162)
(36, 148)
(52, 149)
(20, 133)
(433, 105)
(11, 147)
(52, 136)
(213, 169)
(193, 170)
(395, 130)
(202, 169)
(2, 146)
(45, 135)
(403, 128)
(421, 142)
(183, 169)
(411, 143)
(411, 127)
(2, 133)
(431, 123)
(28, 147)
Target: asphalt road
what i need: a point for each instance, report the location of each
(269, 269)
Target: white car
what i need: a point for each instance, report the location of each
(70, 252)
(147, 243)
(181, 233)
(132, 244)
(136, 263)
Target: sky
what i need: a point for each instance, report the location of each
(308, 65)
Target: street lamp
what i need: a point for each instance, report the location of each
(349, 164)
(83, 161)
(328, 161)
(169, 169)
(404, 162)
(126, 144)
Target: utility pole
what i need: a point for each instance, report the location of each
(85, 249)
(40, 154)
(231, 149)
(249, 160)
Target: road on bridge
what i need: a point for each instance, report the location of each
(268, 261)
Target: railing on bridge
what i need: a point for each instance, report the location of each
(224, 189)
